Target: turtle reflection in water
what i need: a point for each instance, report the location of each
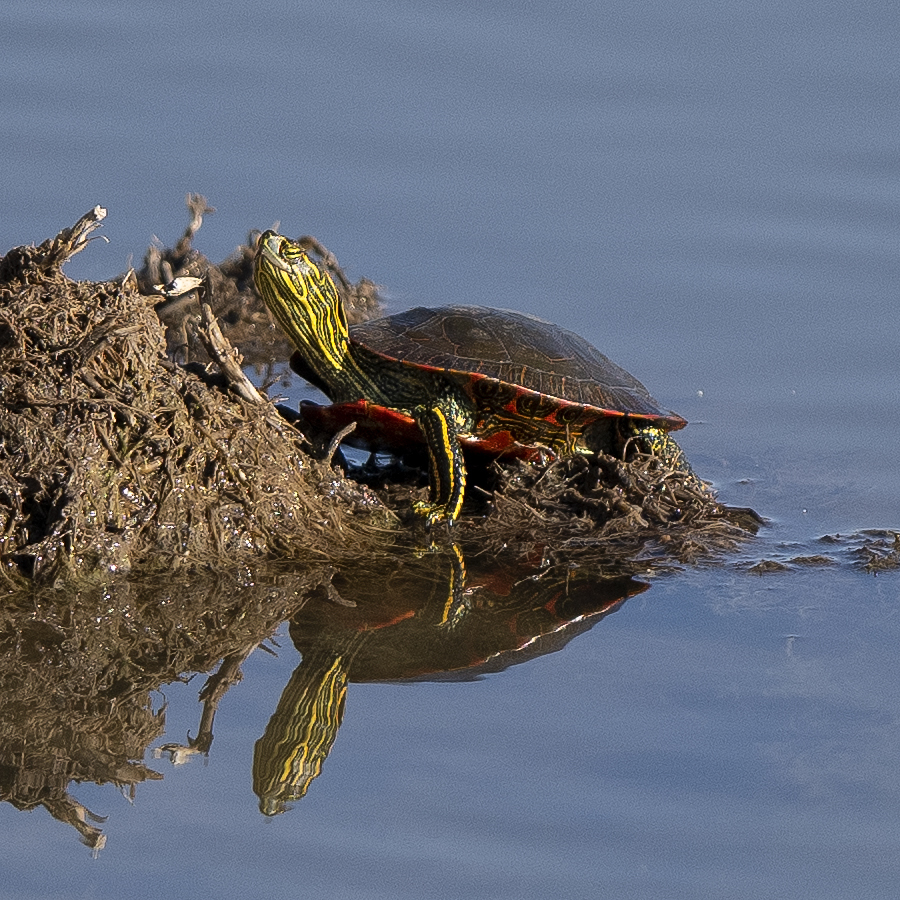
(397, 630)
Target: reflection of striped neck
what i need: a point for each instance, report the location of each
(302, 730)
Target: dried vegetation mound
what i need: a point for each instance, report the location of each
(114, 459)
(600, 511)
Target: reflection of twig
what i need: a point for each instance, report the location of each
(67, 809)
(216, 687)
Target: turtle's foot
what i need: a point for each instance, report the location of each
(435, 513)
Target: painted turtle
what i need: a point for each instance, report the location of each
(457, 377)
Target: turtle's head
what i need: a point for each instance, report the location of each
(304, 300)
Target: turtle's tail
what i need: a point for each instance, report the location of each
(658, 441)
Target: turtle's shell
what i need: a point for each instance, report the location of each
(533, 371)
(537, 359)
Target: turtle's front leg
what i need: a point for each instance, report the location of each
(441, 423)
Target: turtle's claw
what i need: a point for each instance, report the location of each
(434, 513)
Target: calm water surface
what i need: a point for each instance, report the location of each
(709, 193)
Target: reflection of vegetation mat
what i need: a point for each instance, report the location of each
(77, 672)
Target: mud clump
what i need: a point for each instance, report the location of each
(114, 459)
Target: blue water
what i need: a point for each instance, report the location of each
(709, 192)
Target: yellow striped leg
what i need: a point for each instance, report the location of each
(440, 423)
